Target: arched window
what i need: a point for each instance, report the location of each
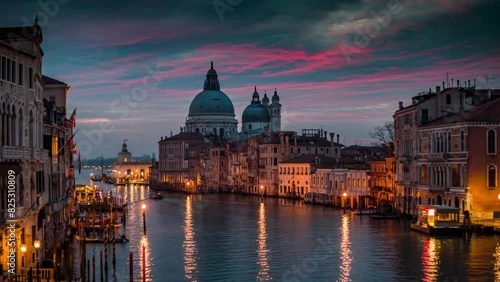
(275, 161)
(275, 150)
(462, 141)
(492, 176)
(197, 130)
(462, 176)
(492, 140)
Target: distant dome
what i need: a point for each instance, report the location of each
(255, 113)
(211, 102)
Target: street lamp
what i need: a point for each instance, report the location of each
(144, 217)
(37, 245)
(23, 249)
(262, 189)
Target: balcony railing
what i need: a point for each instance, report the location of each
(436, 157)
(22, 153)
(437, 188)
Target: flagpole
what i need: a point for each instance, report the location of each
(67, 142)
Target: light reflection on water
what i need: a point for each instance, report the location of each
(430, 259)
(189, 244)
(262, 250)
(345, 250)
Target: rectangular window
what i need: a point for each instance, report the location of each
(425, 115)
(9, 74)
(21, 74)
(492, 140)
(14, 73)
(30, 77)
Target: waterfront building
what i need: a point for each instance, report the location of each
(425, 108)
(126, 170)
(177, 165)
(238, 170)
(21, 142)
(382, 181)
(59, 210)
(36, 144)
(458, 161)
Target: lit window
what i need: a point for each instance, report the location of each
(492, 176)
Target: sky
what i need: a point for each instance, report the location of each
(135, 66)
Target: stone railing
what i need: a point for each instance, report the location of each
(22, 153)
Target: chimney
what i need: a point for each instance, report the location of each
(161, 138)
(400, 105)
(325, 133)
(438, 102)
(468, 83)
(443, 86)
(452, 80)
(458, 83)
(332, 137)
(338, 138)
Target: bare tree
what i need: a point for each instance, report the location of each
(383, 133)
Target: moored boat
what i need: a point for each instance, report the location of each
(121, 239)
(438, 220)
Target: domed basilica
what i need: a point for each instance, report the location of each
(212, 112)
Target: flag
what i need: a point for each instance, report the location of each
(79, 165)
(72, 118)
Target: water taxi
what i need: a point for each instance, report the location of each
(156, 196)
(438, 220)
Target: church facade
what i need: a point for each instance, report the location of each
(212, 113)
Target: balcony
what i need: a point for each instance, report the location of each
(437, 188)
(22, 153)
(437, 157)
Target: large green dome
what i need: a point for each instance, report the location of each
(211, 102)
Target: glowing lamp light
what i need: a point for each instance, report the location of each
(23, 248)
(261, 186)
(143, 206)
(431, 212)
(37, 244)
(345, 194)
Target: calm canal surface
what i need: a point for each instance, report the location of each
(242, 238)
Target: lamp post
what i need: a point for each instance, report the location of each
(23, 250)
(144, 217)
(37, 245)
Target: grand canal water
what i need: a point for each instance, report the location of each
(241, 238)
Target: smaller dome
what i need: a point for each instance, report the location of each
(255, 113)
